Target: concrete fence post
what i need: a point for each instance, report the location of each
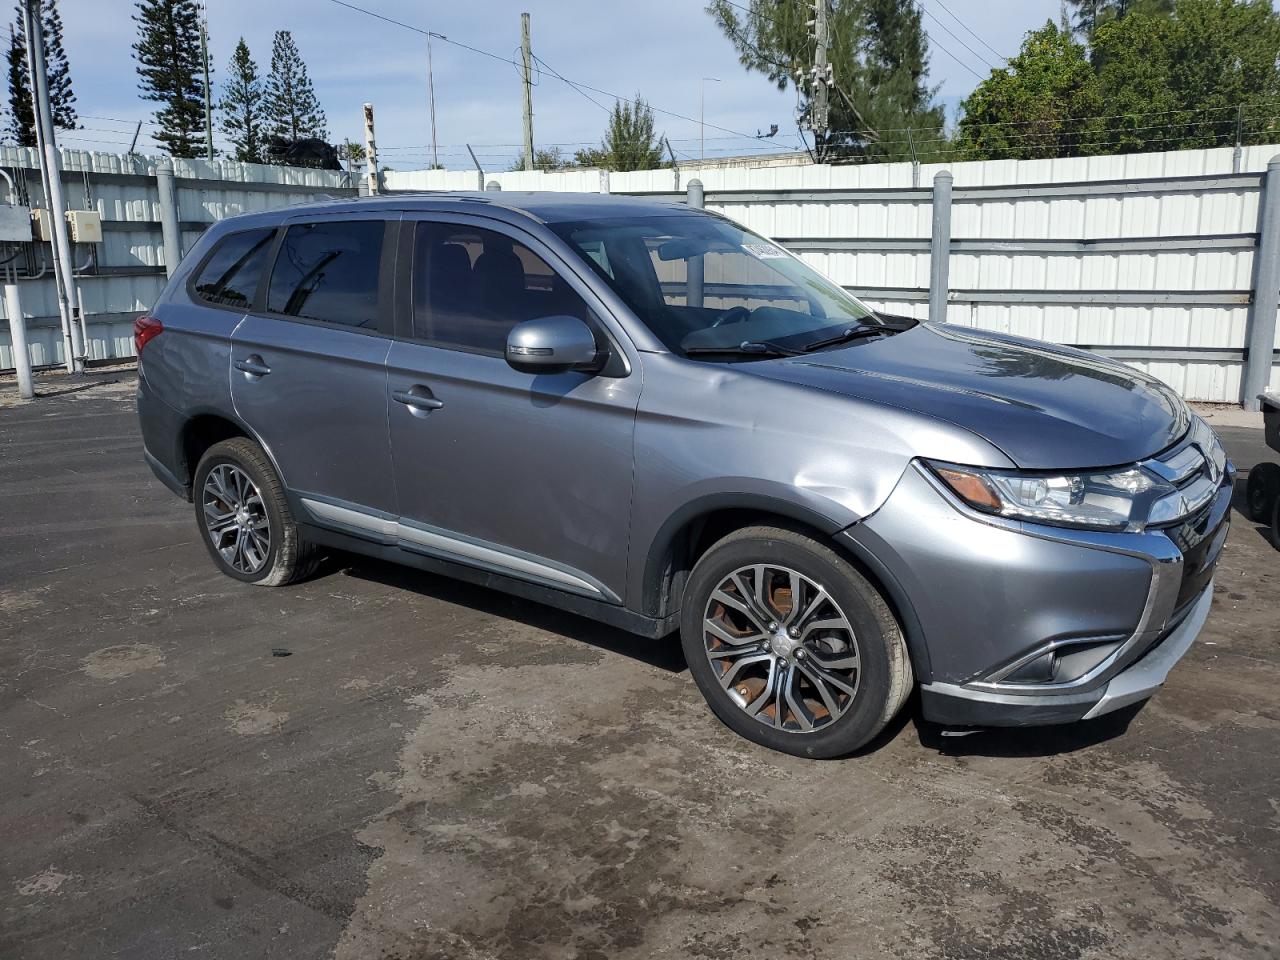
(1260, 341)
(167, 187)
(18, 339)
(940, 248)
(694, 265)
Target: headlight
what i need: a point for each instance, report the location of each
(1115, 500)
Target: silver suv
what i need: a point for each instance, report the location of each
(648, 415)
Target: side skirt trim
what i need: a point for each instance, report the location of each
(420, 538)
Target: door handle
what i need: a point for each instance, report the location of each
(418, 399)
(253, 366)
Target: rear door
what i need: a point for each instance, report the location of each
(308, 363)
(528, 475)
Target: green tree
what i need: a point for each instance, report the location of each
(170, 71)
(878, 53)
(1037, 106)
(630, 141)
(1193, 80)
(545, 158)
(1153, 82)
(292, 108)
(62, 97)
(897, 69)
(242, 106)
(1091, 14)
(22, 123)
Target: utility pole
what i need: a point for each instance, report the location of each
(702, 118)
(51, 172)
(208, 98)
(820, 109)
(431, 97)
(526, 56)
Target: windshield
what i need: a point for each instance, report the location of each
(703, 284)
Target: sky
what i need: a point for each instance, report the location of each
(661, 49)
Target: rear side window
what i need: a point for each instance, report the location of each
(471, 286)
(329, 272)
(230, 276)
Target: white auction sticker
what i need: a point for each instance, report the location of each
(765, 251)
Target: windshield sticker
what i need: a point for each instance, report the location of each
(765, 251)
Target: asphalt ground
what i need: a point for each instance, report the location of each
(437, 771)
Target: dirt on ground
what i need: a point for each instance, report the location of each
(381, 763)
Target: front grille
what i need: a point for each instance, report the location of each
(1200, 541)
(1194, 472)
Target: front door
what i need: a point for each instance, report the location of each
(309, 365)
(526, 475)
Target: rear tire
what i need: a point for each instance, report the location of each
(1262, 491)
(1275, 523)
(244, 517)
(792, 647)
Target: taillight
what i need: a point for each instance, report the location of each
(145, 329)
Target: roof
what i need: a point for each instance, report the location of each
(544, 206)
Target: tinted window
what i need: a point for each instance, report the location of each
(471, 286)
(230, 275)
(329, 272)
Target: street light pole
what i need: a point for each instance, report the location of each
(702, 117)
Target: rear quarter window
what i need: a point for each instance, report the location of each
(328, 272)
(229, 276)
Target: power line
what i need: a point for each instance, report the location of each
(970, 31)
(924, 9)
(577, 89)
(502, 59)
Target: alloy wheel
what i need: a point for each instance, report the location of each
(781, 648)
(236, 518)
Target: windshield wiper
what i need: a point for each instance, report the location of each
(846, 336)
(759, 348)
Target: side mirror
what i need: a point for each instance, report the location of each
(553, 345)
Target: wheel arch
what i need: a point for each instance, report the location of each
(689, 533)
(202, 430)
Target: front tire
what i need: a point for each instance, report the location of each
(244, 516)
(791, 647)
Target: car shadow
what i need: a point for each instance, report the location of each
(664, 653)
(1238, 505)
(1025, 741)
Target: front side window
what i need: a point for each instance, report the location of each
(230, 275)
(329, 272)
(703, 284)
(471, 286)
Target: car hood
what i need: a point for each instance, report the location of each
(1046, 407)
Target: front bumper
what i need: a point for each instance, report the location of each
(956, 705)
(984, 600)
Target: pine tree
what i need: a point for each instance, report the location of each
(22, 122)
(878, 54)
(170, 71)
(62, 97)
(630, 142)
(292, 109)
(242, 106)
(897, 94)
